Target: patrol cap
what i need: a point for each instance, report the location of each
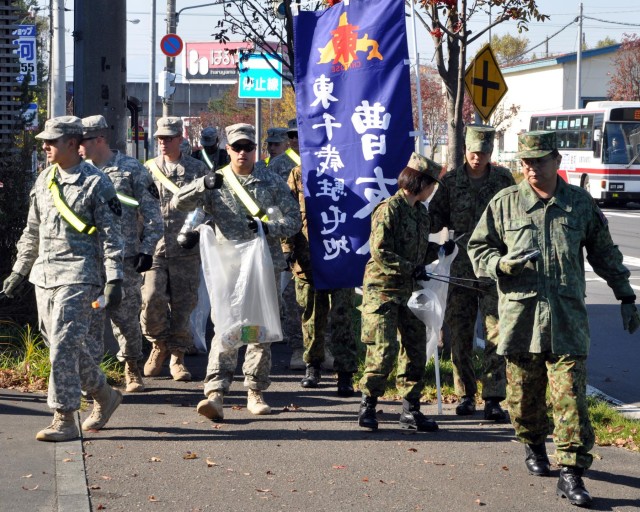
(276, 135)
(208, 136)
(240, 131)
(479, 139)
(536, 144)
(423, 164)
(169, 127)
(292, 125)
(94, 126)
(57, 127)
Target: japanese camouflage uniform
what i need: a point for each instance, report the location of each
(458, 205)
(170, 289)
(544, 327)
(398, 242)
(68, 267)
(318, 304)
(229, 217)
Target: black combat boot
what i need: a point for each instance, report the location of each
(466, 406)
(493, 411)
(345, 384)
(311, 376)
(537, 461)
(367, 415)
(412, 418)
(571, 486)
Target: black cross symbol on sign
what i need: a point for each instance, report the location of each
(485, 83)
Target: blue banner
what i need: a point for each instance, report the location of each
(353, 99)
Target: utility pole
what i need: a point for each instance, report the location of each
(152, 85)
(58, 90)
(167, 103)
(579, 63)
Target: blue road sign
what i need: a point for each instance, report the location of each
(171, 45)
(258, 79)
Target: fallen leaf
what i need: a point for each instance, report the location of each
(263, 490)
(337, 466)
(27, 476)
(190, 455)
(67, 460)
(478, 502)
(94, 487)
(155, 459)
(365, 479)
(152, 498)
(506, 468)
(27, 489)
(412, 450)
(236, 407)
(217, 426)
(270, 472)
(185, 422)
(383, 482)
(105, 477)
(211, 463)
(101, 507)
(246, 474)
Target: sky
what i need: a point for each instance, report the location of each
(197, 25)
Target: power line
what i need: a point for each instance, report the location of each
(612, 22)
(546, 39)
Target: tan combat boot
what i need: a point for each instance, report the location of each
(63, 428)
(133, 377)
(153, 366)
(105, 401)
(211, 407)
(256, 404)
(177, 368)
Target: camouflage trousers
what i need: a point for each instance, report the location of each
(169, 294)
(317, 306)
(380, 326)
(222, 365)
(65, 322)
(461, 315)
(566, 375)
(291, 315)
(125, 319)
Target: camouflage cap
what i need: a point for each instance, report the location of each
(536, 144)
(292, 125)
(423, 164)
(57, 127)
(479, 139)
(278, 135)
(208, 136)
(94, 126)
(169, 127)
(240, 131)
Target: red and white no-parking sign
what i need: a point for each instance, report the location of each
(171, 45)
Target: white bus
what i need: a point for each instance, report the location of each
(600, 147)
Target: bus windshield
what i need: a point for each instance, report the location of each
(621, 143)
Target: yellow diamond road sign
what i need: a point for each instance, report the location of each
(485, 83)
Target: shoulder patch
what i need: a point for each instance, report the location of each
(153, 190)
(115, 205)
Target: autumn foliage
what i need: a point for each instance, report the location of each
(625, 80)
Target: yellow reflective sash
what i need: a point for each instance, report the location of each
(266, 161)
(128, 200)
(166, 182)
(294, 156)
(63, 208)
(206, 159)
(242, 194)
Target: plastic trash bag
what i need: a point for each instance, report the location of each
(199, 316)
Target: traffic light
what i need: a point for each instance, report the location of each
(166, 84)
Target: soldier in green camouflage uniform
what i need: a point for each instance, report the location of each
(170, 289)
(229, 216)
(317, 304)
(458, 205)
(399, 241)
(71, 242)
(531, 240)
(142, 227)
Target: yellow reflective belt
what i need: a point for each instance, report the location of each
(128, 200)
(166, 182)
(294, 156)
(63, 208)
(242, 194)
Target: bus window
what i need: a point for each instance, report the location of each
(587, 122)
(563, 122)
(574, 122)
(614, 147)
(550, 123)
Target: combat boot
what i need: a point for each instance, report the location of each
(62, 428)
(493, 411)
(256, 404)
(211, 407)
(537, 461)
(311, 376)
(466, 406)
(177, 368)
(571, 486)
(133, 377)
(153, 366)
(105, 401)
(412, 418)
(345, 384)
(367, 415)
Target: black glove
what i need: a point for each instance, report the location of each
(448, 247)
(252, 224)
(420, 273)
(113, 294)
(213, 180)
(142, 262)
(189, 239)
(11, 283)
(630, 317)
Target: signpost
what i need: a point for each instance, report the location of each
(485, 83)
(171, 45)
(260, 77)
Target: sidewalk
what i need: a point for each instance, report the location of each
(157, 453)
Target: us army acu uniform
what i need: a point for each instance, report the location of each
(283, 163)
(317, 304)
(544, 327)
(228, 214)
(458, 205)
(142, 228)
(170, 289)
(67, 265)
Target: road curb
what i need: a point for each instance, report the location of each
(72, 492)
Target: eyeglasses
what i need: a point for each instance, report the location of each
(292, 135)
(247, 147)
(533, 162)
(274, 143)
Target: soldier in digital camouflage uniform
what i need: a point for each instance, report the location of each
(170, 289)
(142, 227)
(232, 221)
(317, 304)
(211, 153)
(67, 247)
(399, 241)
(281, 158)
(531, 240)
(458, 205)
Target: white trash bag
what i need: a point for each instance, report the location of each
(199, 315)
